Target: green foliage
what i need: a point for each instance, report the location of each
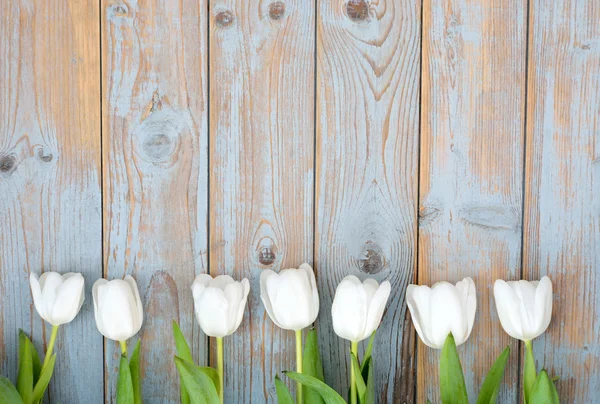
(361, 386)
(8, 392)
(452, 382)
(283, 394)
(125, 394)
(136, 378)
(491, 385)
(529, 372)
(312, 366)
(330, 396)
(543, 390)
(32, 380)
(199, 385)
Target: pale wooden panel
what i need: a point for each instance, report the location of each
(367, 152)
(562, 216)
(155, 173)
(471, 169)
(50, 197)
(261, 162)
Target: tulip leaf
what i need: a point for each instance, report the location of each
(125, 392)
(452, 382)
(370, 399)
(200, 386)
(329, 395)
(283, 394)
(529, 372)
(8, 392)
(25, 378)
(44, 380)
(493, 380)
(134, 369)
(184, 352)
(312, 366)
(368, 352)
(361, 387)
(213, 375)
(543, 390)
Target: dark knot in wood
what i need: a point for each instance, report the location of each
(119, 10)
(277, 10)
(357, 10)
(224, 18)
(267, 256)
(158, 146)
(372, 263)
(7, 163)
(44, 156)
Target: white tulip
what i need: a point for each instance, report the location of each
(219, 303)
(118, 308)
(442, 309)
(358, 307)
(290, 297)
(524, 308)
(57, 298)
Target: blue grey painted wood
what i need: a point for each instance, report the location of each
(562, 221)
(367, 166)
(50, 195)
(155, 163)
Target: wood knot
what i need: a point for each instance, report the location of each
(357, 10)
(267, 255)
(119, 10)
(7, 163)
(224, 18)
(373, 262)
(277, 10)
(46, 157)
(158, 146)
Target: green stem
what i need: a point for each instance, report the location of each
(299, 395)
(221, 368)
(529, 371)
(354, 349)
(50, 346)
(123, 345)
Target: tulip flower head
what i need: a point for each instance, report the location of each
(524, 308)
(358, 307)
(118, 308)
(57, 298)
(219, 303)
(442, 309)
(290, 297)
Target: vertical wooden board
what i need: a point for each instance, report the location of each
(470, 215)
(562, 216)
(261, 165)
(368, 71)
(155, 173)
(50, 197)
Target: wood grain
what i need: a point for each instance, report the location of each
(562, 220)
(261, 167)
(366, 191)
(50, 197)
(471, 174)
(155, 173)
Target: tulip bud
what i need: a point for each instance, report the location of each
(358, 307)
(524, 308)
(57, 298)
(219, 303)
(442, 309)
(118, 308)
(290, 297)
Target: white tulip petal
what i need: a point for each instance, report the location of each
(418, 299)
(507, 306)
(447, 314)
(212, 312)
(221, 282)
(349, 309)
(36, 293)
(52, 282)
(467, 293)
(234, 293)
(97, 316)
(68, 300)
(242, 304)
(376, 307)
(543, 306)
(290, 293)
(139, 318)
(315, 294)
(117, 310)
(264, 295)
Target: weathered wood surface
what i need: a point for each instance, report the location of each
(366, 169)
(155, 134)
(261, 170)
(50, 197)
(471, 174)
(562, 216)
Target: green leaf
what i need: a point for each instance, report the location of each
(25, 375)
(136, 378)
(361, 387)
(184, 352)
(329, 395)
(312, 366)
(125, 394)
(44, 380)
(283, 394)
(213, 375)
(452, 382)
(555, 393)
(368, 352)
(35, 359)
(529, 372)
(493, 380)
(370, 382)
(543, 390)
(8, 392)
(200, 387)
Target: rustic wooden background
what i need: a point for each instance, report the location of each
(407, 140)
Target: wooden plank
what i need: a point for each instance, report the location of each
(367, 151)
(261, 164)
(562, 216)
(50, 197)
(471, 173)
(155, 160)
